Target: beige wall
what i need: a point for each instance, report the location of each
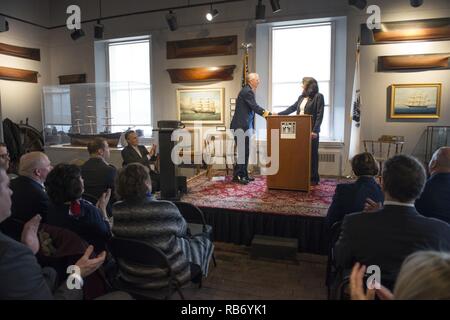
(66, 56)
(21, 100)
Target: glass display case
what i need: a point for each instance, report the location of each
(75, 114)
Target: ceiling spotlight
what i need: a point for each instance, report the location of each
(416, 3)
(260, 13)
(212, 13)
(98, 30)
(359, 4)
(77, 34)
(275, 5)
(4, 25)
(171, 19)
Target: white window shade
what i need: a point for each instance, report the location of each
(301, 51)
(130, 85)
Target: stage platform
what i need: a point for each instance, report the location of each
(238, 212)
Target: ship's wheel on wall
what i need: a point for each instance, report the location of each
(30, 137)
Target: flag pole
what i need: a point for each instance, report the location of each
(355, 111)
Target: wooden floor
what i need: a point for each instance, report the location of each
(237, 276)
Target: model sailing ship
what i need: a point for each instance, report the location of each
(82, 139)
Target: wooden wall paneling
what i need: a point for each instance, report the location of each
(72, 78)
(222, 73)
(18, 75)
(204, 47)
(414, 30)
(414, 62)
(21, 52)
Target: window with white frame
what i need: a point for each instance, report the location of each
(130, 85)
(302, 51)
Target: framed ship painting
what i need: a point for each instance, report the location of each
(415, 101)
(204, 105)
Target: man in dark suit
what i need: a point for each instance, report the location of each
(97, 173)
(386, 237)
(134, 152)
(29, 197)
(434, 201)
(21, 276)
(242, 121)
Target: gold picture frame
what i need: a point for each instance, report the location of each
(415, 101)
(201, 105)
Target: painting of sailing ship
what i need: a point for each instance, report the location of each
(205, 105)
(415, 101)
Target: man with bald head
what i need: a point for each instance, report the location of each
(435, 199)
(243, 118)
(29, 197)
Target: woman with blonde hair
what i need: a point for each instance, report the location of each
(424, 275)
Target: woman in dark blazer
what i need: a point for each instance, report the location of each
(310, 102)
(67, 210)
(351, 197)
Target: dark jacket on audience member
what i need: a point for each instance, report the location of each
(386, 237)
(89, 225)
(21, 276)
(434, 201)
(28, 199)
(129, 155)
(99, 176)
(351, 197)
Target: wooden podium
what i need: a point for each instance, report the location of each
(294, 152)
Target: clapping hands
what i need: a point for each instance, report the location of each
(29, 233)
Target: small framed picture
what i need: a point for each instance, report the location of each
(232, 100)
(232, 107)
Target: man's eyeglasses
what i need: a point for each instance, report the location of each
(4, 156)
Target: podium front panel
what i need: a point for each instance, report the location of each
(294, 139)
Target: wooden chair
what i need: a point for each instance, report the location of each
(384, 148)
(216, 146)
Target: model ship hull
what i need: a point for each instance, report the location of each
(417, 106)
(78, 139)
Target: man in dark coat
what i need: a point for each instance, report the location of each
(97, 173)
(29, 196)
(134, 152)
(434, 202)
(21, 276)
(384, 238)
(243, 118)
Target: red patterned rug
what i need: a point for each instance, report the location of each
(255, 197)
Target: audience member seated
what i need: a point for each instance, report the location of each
(434, 201)
(138, 216)
(424, 275)
(29, 197)
(387, 236)
(4, 156)
(351, 197)
(97, 173)
(135, 153)
(67, 210)
(21, 276)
